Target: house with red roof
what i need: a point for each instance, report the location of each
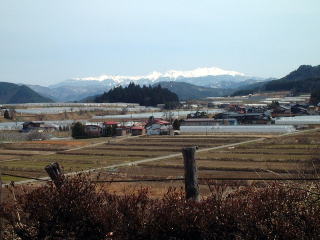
(138, 130)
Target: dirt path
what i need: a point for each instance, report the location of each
(111, 140)
(165, 157)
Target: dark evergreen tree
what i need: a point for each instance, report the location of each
(6, 114)
(145, 95)
(315, 97)
(176, 124)
(78, 130)
(274, 105)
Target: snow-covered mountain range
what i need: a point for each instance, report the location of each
(172, 75)
(81, 87)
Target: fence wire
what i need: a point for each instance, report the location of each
(176, 179)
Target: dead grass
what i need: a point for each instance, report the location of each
(57, 142)
(274, 156)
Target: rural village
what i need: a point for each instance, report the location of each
(201, 146)
(139, 133)
(159, 120)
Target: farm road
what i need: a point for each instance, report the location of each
(170, 155)
(77, 148)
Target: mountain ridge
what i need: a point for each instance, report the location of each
(305, 78)
(77, 89)
(11, 93)
(171, 74)
(187, 91)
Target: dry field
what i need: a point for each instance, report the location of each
(2, 119)
(275, 157)
(80, 115)
(30, 158)
(115, 158)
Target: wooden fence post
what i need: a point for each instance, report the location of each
(190, 174)
(55, 173)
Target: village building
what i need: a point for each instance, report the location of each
(93, 130)
(246, 118)
(137, 131)
(39, 126)
(109, 128)
(198, 114)
(159, 127)
(208, 122)
(122, 131)
(26, 126)
(298, 109)
(291, 110)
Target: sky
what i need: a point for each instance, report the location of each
(45, 42)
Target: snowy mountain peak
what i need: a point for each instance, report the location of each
(201, 72)
(172, 74)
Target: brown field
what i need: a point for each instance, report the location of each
(80, 115)
(275, 156)
(30, 158)
(2, 119)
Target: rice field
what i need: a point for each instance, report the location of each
(273, 156)
(30, 158)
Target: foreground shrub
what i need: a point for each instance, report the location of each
(77, 210)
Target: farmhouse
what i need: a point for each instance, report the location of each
(246, 118)
(109, 128)
(299, 109)
(136, 131)
(159, 127)
(93, 130)
(38, 126)
(281, 111)
(111, 123)
(31, 125)
(122, 131)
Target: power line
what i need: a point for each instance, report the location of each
(205, 179)
(139, 180)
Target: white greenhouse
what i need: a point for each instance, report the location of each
(238, 129)
(298, 120)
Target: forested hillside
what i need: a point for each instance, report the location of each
(186, 91)
(305, 79)
(13, 93)
(146, 96)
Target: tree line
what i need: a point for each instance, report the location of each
(145, 95)
(315, 96)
